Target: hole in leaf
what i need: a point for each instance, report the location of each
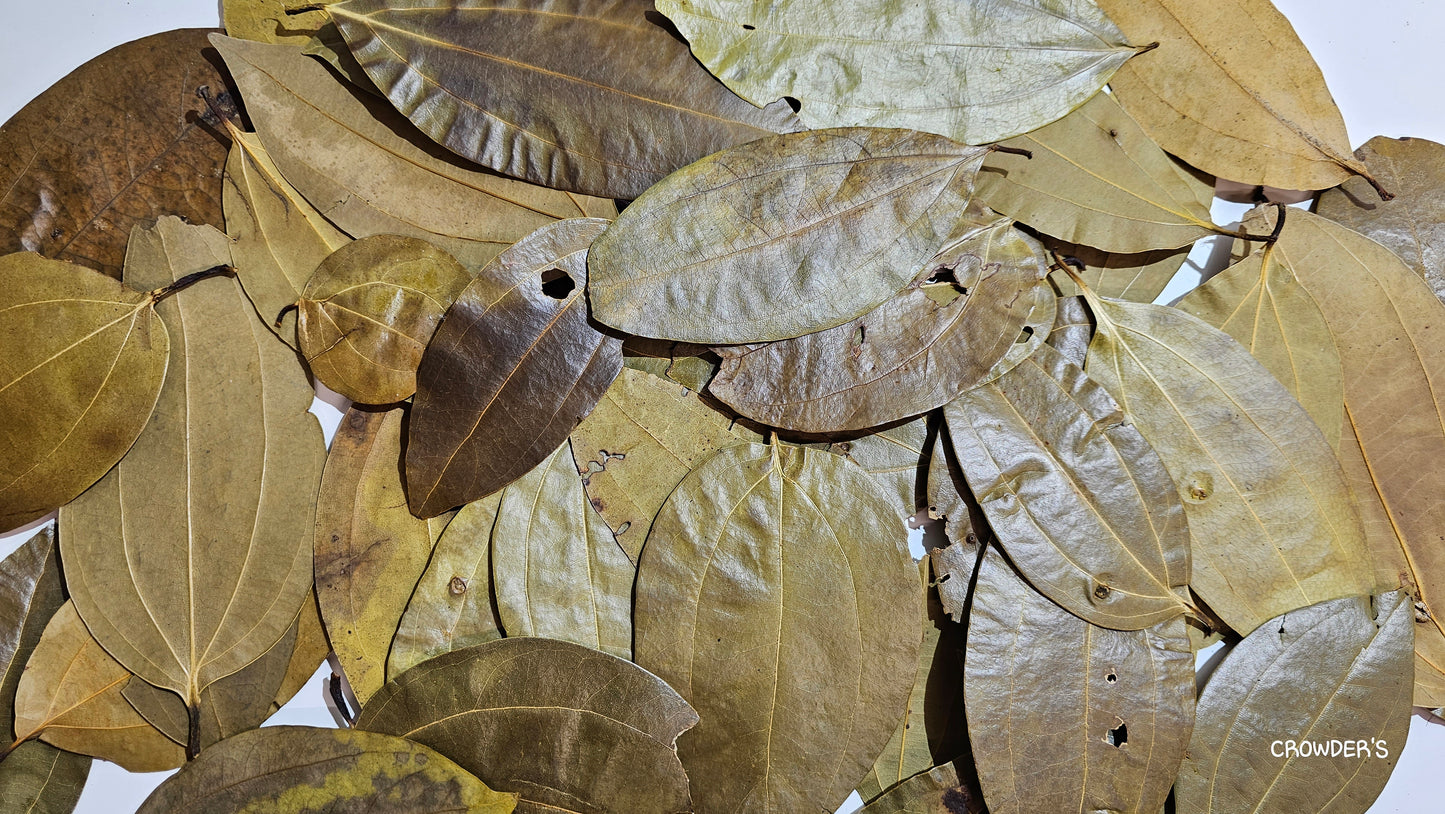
(793, 103)
(1118, 736)
(943, 274)
(556, 284)
(622, 529)
(1024, 335)
(860, 336)
(747, 27)
(1111, 678)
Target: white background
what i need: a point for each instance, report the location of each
(1381, 59)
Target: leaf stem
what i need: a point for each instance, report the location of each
(189, 280)
(1004, 148)
(193, 731)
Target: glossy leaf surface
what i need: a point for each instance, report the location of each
(836, 221)
(513, 369)
(595, 724)
(936, 791)
(894, 458)
(742, 556)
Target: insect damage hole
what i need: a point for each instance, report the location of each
(557, 284)
(1118, 736)
(747, 27)
(1111, 677)
(1024, 335)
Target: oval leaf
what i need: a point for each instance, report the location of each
(84, 361)
(590, 738)
(836, 222)
(1078, 499)
(1067, 717)
(1331, 674)
(598, 98)
(795, 703)
(974, 74)
(514, 367)
(302, 768)
(369, 310)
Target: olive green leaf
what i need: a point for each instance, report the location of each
(70, 697)
(600, 731)
(556, 569)
(936, 791)
(369, 171)
(369, 310)
(894, 457)
(302, 768)
(1094, 177)
(973, 72)
(328, 44)
(643, 437)
(691, 366)
(1413, 224)
(601, 99)
(514, 367)
(453, 605)
(903, 358)
(1135, 277)
(836, 222)
(1233, 91)
(37, 778)
(1382, 315)
(776, 594)
(1068, 717)
(83, 365)
(1260, 303)
(1270, 514)
(278, 238)
(1077, 497)
(1334, 676)
(1073, 330)
(280, 21)
(192, 557)
(369, 550)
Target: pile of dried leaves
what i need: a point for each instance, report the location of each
(660, 322)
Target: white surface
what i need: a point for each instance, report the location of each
(1379, 58)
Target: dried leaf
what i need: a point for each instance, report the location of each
(955, 565)
(1077, 497)
(117, 143)
(642, 438)
(1068, 717)
(37, 778)
(556, 569)
(367, 170)
(70, 697)
(595, 725)
(893, 457)
(691, 366)
(514, 367)
(279, 21)
(369, 310)
(776, 594)
(84, 361)
(1332, 674)
(1134, 277)
(836, 221)
(950, 500)
(453, 605)
(903, 358)
(1270, 514)
(936, 791)
(1413, 224)
(192, 557)
(602, 99)
(1233, 91)
(302, 768)
(973, 72)
(1073, 330)
(1094, 177)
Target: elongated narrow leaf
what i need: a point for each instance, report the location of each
(903, 358)
(70, 697)
(514, 367)
(1332, 680)
(1080, 501)
(370, 551)
(192, 557)
(278, 237)
(302, 768)
(975, 72)
(598, 98)
(776, 594)
(368, 170)
(600, 730)
(368, 311)
(836, 221)
(1134, 277)
(1413, 224)
(557, 571)
(453, 605)
(82, 369)
(1386, 323)
(37, 778)
(1233, 91)
(1068, 717)
(1260, 302)
(642, 438)
(936, 791)
(272, 20)
(1270, 513)
(1094, 177)
(116, 144)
